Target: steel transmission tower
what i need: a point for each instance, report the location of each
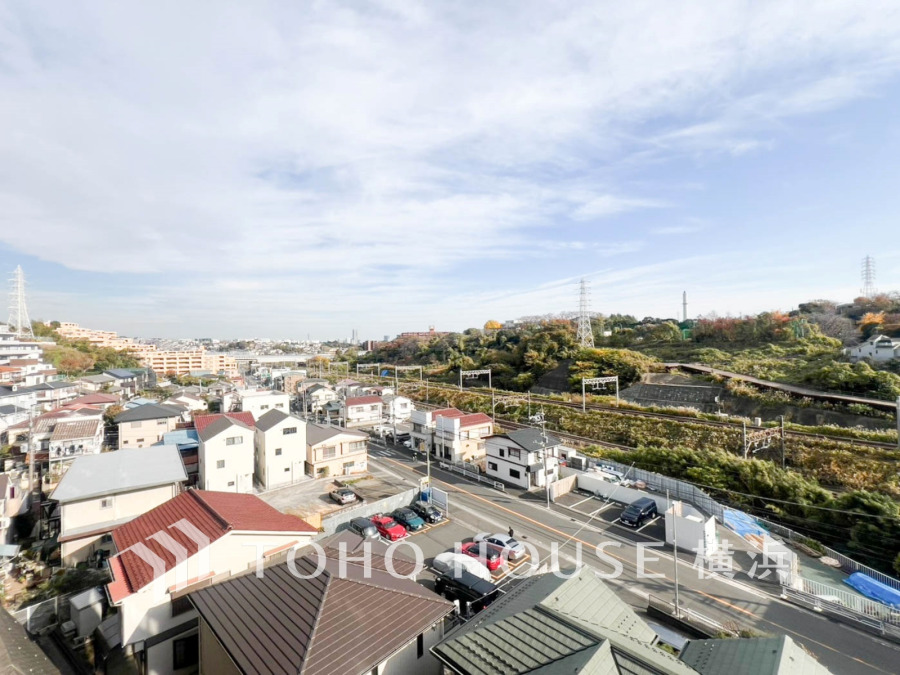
(585, 332)
(18, 312)
(868, 276)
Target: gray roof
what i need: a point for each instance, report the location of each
(530, 439)
(271, 419)
(222, 423)
(751, 656)
(316, 433)
(553, 625)
(11, 410)
(120, 471)
(18, 653)
(121, 373)
(148, 411)
(98, 379)
(324, 625)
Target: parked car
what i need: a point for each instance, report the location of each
(364, 528)
(428, 512)
(508, 547)
(344, 495)
(639, 512)
(472, 592)
(389, 528)
(408, 443)
(484, 553)
(409, 519)
(454, 564)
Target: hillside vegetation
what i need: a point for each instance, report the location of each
(78, 357)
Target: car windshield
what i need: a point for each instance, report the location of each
(631, 511)
(389, 522)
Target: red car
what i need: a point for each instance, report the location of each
(389, 528)
(486, 555)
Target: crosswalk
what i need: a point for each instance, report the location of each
(382, 452)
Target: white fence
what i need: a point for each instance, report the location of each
(847, 600)
(472, 475)
(42, 615)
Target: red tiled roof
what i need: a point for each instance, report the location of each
(475, 419)
(446, 412)
(203, 421)
(363, 400)
(212, 513)
(93, 399)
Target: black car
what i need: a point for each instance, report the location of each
(427, 512)
(364, 528)
(408, 519)
(639, 512)
(472, 592)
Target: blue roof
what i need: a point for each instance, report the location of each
(121, 373)
(185, 439)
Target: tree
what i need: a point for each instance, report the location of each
(493, 325)
(871, 323)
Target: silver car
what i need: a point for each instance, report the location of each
(510, 548)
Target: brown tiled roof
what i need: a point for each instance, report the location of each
(203, 421)
(475, 419)
(362, 400)
(67, 431)
(324, 625)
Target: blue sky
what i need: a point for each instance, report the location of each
(283, 169)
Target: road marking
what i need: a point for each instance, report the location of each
(665, 576)
(601, 509)
(645, 525)
(587, 499)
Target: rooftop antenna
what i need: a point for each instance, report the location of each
(868, 276)
(585, 333)
(18, 312)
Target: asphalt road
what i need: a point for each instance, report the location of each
(843, 649)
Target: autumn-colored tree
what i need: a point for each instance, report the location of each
(493, 325)
(871, 323)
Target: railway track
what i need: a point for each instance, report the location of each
(662, 416)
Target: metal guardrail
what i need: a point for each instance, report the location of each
(471, 475)
(841, 612)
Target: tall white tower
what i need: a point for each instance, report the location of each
(868, 276)
(19, 323)
(684, 306)
(585, 333)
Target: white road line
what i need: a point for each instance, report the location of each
(601, 509)
(587, 499)
(648, 524)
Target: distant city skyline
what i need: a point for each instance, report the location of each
(316, 168)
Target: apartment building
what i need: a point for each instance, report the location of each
(280, 449)
(98, 338)
(101, 492)
(332, 451)
(188, 361)
(226, 454)
(451, 434)
(145, 424)
(262, 401)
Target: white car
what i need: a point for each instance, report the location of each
(510, 548)
(408, 444)
(450, 562)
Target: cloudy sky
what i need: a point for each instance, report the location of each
(291, 168)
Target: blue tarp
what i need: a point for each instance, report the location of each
(385, 373)
(872, 588)
(744, 525)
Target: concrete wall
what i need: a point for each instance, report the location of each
(338, 521)
(214, 660)
(696, 532)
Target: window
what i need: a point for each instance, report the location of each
(286, 469)
(106, 503)
(502, 452)
(515, 453)
(135, 425)
(278, 452)
(357, 446)
(181, 605)
(263, 407)
(492, 466)
(373, 408)
(289, 430)
(185, 652)
(279, 405)
(329, 452)
(420, 646)
(106, 539)
(231, 483)
(220, 464)
(514, 473)
(162, 421)
(234, 440)
(140, 440)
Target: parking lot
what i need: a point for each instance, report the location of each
(606, 514)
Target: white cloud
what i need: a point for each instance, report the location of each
(322, 143)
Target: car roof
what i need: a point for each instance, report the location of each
(643, 501)
(359, 520)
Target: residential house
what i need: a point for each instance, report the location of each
(778, 655)
(290, 381)
(347, 619)
(317, 396)
(349, 388)
(361, 411)
(32, 371)
(190, 402)
(878, 349)
(130, 381)
(226, 455)
(194, 540)
(50, 395)
(376, 390)
(188, 443)
(11, 375)
(14, 501)
(59, 436)
(21, 652)
(102, 401)
(101, 492)
(280, 449)
(144, 425)
(451, 434)
(525, 458)
(260, 402)
(10, 415)
(397, 408)
(332, 451)
(95, 383)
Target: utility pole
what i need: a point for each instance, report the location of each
(675, 553)
(783, 461)
(898, 421)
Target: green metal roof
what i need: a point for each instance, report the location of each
(751, 656)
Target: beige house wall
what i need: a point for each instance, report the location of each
(144, 433)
